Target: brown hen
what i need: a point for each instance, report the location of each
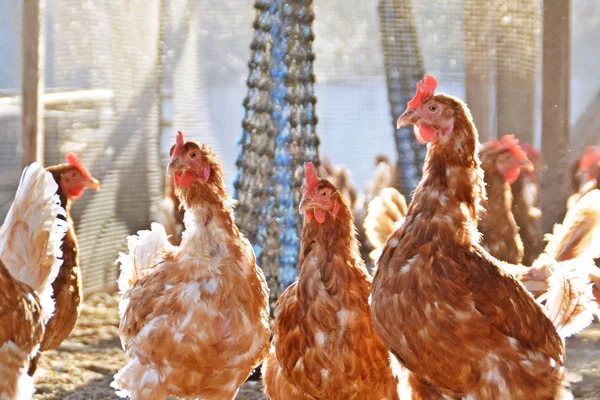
(324, 344)
(501, 164)
(441, 303)
(194, 318)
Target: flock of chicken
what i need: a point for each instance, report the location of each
(465, 301)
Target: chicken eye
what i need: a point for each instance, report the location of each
(73, 174)
(324, 193)
(433, 108)
(193, 154)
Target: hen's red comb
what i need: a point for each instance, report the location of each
(425, 90)
(531, 152)
(590, 158)
(512, 144)
(74, 160)
(312, 179)
(178, 144)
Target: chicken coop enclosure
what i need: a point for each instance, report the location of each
(118, 77)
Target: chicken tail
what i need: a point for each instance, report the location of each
(32, 235)
(385, 213)
(15, 384)
(579, 234)
(567, 267)
(143, 249)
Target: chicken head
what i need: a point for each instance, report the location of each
(511, 163)
(588, 166)
(319, 197)
(432, 116)
(190, 162)
(77, 178)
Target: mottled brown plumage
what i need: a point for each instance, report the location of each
(324, 344)
(21, 330)
(194, 318)
(68, 291)
(526, 207)
(500, 233)
(527, 215)
(440, 302)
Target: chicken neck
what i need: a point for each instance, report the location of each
(334, 241)
(446, 203)
(208, 208)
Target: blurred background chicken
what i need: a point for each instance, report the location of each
(587, 176)
(324, 345)
(385, 214)
(72, 179)
(383, 177)
(30, 258)
(194, 318)
(526, 208)
(502, 163)
(168, 213)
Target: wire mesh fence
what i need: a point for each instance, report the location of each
(122, 74)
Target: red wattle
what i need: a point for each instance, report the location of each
(511, 174)
(424, 133)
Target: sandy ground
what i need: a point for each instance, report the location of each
(82, 368)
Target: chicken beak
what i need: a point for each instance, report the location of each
(407, 118)
(92, 184)
(173, 166)
(304, 205)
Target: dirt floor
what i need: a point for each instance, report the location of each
(82, 368)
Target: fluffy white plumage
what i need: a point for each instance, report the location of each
(568, 263)
(32, 235)
(569, 301)
(143, 250)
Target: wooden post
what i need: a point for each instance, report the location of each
(32, 105)
(587, 128)
(555, 111)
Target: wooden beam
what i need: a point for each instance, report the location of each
(555, 181)
(586, 130)
(33, 82)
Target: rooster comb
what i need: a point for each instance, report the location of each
(74, 161)
(425, 90)
(591, 157)
(178, 144)
(512, 144)
(312, 179)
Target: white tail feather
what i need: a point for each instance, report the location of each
(32, 235)
(569, 301)
(143, 249)
(567, 267)
(579, 234)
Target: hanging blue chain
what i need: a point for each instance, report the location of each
(278, 136)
